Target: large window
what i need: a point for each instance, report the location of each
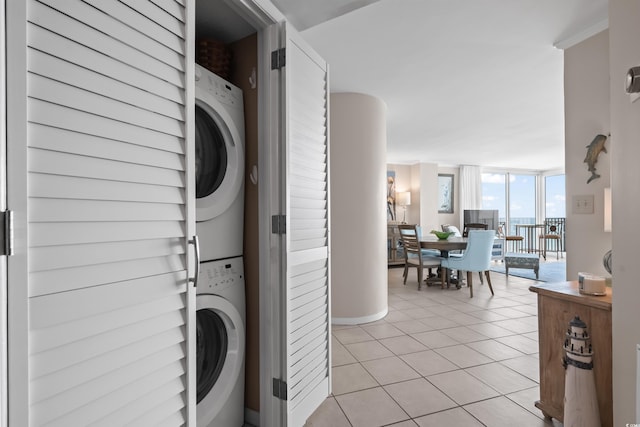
(494, 193)
(519, 200)
(555, 200)
(522, 200)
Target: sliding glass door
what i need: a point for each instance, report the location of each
(514, 195)
(494, 194)
(519, 201)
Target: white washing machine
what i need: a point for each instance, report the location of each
(220, 356)
(219, 139)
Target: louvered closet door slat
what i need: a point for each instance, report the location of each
(57, 116)
(141, 413)
(171, 22)
(85, 57)
(99, 408)
(56, 163)
(135, 37)
(51, 210)
(59, 23)
(104, 384)
(108, 207)
(172, 7)
(68, 141)
(95, 345)
(70, 96)
(74, 233)
(67, 279)
(55, 69)
(45, 258)
(54, 309)
(67, 187)
(135, 20)
(52, 336)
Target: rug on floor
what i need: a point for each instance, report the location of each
(549, 271)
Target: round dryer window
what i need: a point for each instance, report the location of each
(211, 155)
(211, 351)
(219, 159)
(220, 351)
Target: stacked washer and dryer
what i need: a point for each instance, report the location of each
(220, 220)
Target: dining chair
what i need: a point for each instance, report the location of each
(552, 233)
(476, 258)
(473, 226)
(451, 228)
(456, 233)
(516, 240)
(414, 256)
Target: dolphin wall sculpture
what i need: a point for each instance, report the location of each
(593, 150)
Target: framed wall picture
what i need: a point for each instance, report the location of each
(445, 193)
(391, 196)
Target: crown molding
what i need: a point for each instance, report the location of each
(582, 35)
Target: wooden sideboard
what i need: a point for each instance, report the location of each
(558, 304)
(395, 253)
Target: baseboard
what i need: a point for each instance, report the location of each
(251, 418)
(359, 320)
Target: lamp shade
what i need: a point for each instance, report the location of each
(607, 209)
(404, 198)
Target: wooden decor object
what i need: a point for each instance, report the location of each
(558, 304)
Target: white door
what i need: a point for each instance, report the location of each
(3, 207)
(305, 337)
(101, 182)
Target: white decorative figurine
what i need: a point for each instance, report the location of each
(580, 399)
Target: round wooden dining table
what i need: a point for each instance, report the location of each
(444, 246)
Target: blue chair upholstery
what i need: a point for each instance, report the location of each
(413, 253)
(476, 257)
(426, 252)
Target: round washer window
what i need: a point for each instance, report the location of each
(211, 154)
(212, 342)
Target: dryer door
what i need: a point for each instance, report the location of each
(219, 158)
(220, 354)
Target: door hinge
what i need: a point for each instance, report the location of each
(279, 389)
(6, 219)
(279, 224)
(278, 59)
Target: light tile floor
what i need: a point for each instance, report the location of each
(439, 358)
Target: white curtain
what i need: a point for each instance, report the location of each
(470, 189)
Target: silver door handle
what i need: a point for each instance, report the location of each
(196, 249)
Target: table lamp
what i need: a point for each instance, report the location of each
(404, 200)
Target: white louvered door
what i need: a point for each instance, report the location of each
(109, 212)
(307, 333)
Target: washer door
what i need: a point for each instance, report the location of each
(219, 158)
(220, 353)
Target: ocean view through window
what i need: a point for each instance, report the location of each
(518, 196)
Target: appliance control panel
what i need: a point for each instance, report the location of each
(216, 276)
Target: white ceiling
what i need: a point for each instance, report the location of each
(474, 82)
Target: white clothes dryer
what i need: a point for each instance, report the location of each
(220, 315)
(219, 136)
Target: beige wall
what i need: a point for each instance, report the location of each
(454, 218)
(245, 54)
(422, 180)
(358, 208)
(587, 115)
(624, 50)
